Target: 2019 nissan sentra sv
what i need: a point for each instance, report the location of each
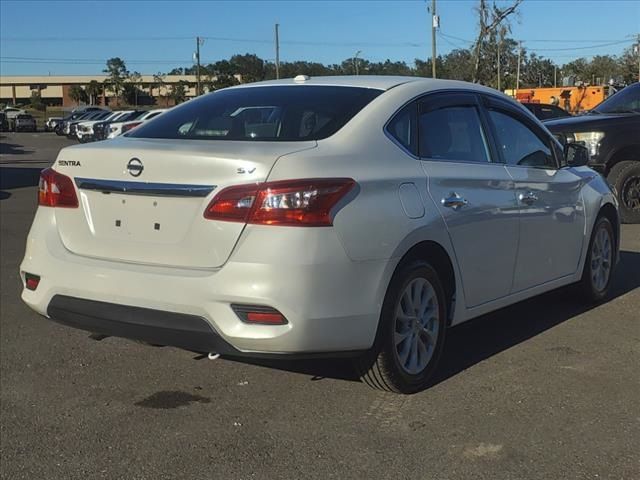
(319, 216)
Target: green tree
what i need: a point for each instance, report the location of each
(93, 89)
(492, 21)
(131, 89)
(36, 101)
(178, 91)
(250, 67)
(628, 63)
(78, 94)
(603, 68)
(117, 74)
(577, 69)
(159, 83)
(536, 72)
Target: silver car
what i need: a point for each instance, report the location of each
(352, 216)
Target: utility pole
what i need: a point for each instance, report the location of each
(555, 76)
(435, 21)
(277, 51)
(197, 66)
(519, 61)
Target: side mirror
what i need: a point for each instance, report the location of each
(576, 155)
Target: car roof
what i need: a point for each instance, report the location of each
(380, 82)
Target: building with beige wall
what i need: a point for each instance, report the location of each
(54, 89)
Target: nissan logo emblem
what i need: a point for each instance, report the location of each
(135, 167)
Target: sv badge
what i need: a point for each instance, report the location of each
(241, 170)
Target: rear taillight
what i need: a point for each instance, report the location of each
(56, 190)
(126, 128)
(290, 202)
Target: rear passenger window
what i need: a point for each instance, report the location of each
(452, 134)
(401, 128)
(519, 144)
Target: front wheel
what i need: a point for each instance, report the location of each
(600, 261)
(411, 333)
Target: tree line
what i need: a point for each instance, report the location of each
(493, 59)
(535, 71)
(459, 64)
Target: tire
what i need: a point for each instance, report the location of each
(383, 367)
(624, 178)
(590, 288)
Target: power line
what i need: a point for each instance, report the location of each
(217, 39)
(582, 48)
(547, 40)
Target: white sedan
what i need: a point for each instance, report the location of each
(118, 128)
(339, 216)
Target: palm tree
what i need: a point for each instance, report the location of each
(94, 90)
(77, 94)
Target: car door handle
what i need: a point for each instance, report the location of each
(454, 201)
(528, 198)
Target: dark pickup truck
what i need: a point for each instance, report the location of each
(611, 132)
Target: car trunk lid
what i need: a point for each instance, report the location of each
(142, 200)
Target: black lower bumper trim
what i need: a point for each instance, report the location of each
(189, 332)
(158, 327)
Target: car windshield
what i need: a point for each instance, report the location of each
(626, 100)
(267, 113)
(24, 117)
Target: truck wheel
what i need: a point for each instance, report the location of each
(624, 177)
(411, 333)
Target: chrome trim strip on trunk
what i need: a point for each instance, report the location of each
(144, 188)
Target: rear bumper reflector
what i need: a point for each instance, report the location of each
(259, 314)
(31, 281)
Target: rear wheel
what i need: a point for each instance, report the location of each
(598, 267)
(411, 333)
(624, 177)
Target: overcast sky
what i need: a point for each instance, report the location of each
(62, 37)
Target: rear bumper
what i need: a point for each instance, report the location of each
(156, 327)
(331, 303)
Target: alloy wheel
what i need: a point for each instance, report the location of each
(601, 259)
(417, 324)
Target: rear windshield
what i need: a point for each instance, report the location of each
(274, 113)
(24, 117)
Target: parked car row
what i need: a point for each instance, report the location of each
(16, 120)
(96, 125)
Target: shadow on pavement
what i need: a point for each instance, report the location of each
(16, 177)
(13, 149)
(490, 334)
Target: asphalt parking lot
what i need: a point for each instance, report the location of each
(545, 389)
